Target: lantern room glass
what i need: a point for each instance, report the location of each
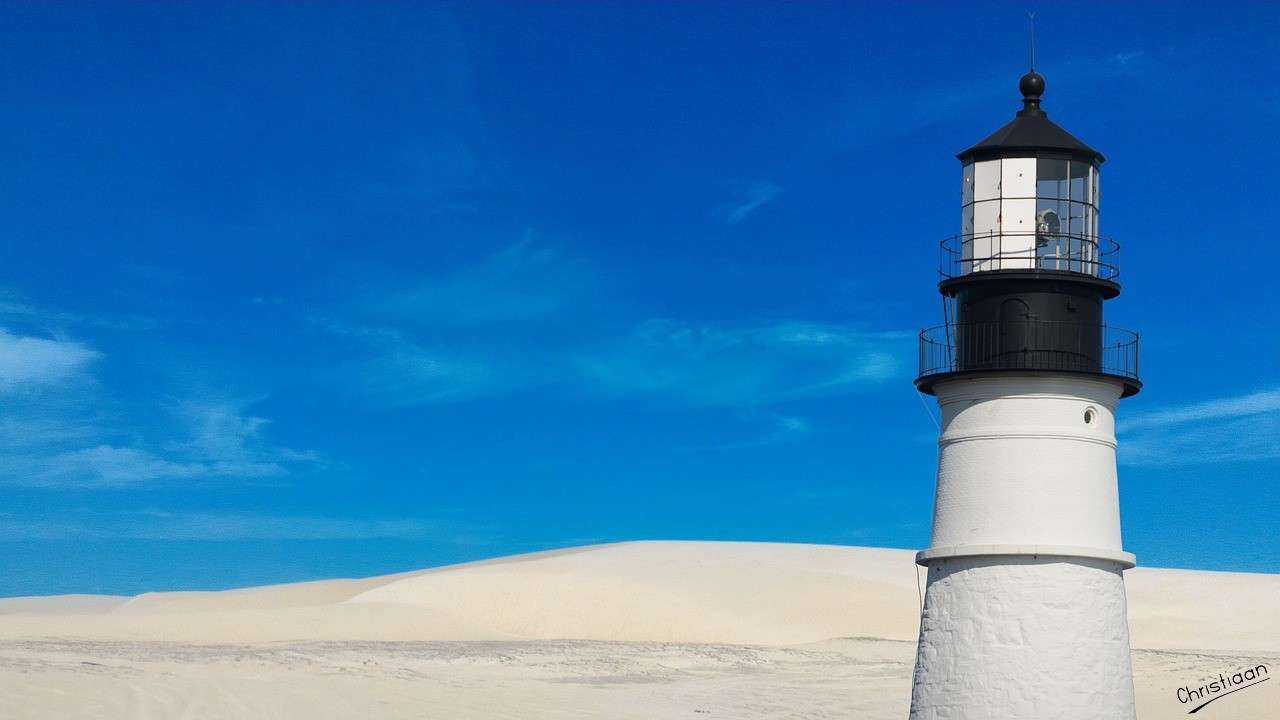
(1029, 213)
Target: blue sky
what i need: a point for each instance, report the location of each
(295, 291)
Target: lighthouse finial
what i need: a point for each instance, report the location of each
(1031, 84)
(1031, 17)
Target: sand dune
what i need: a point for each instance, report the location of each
(61, 604)
(752, 593)
(745, 593)
(676, 592)
(742, 629)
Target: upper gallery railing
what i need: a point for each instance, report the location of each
(1029, 252)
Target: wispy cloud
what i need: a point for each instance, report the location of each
(408, 374)
(208, 440)
(523, 318)
(222, 527)
(16, 310)
(27, 360)
(1233, 429)
(97, 466)
(489, 327)
(761, 429)
(54, 434)
(747, 198)
(1258, 403)
(228, 441)
(1127, 58)
(864, 122)
(747, 365)
(523, 281)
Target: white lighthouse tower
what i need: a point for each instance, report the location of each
(1024, 614)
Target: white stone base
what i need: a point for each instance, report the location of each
(1021, 638)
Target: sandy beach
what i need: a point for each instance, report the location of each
(633, 630)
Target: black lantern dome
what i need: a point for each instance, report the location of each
(1024, 281)
(1031, 130)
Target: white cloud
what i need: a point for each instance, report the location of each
(398, 371)
(412, 375)
(1125, 58)
(745, 366)
(748, 197)
(519, 319)
(206, 440)
(521, 282)
(485, 328)
(228, 442)
(16, 310)
(760, 430)
(210, 526)
(1257, 403)
(863, 121)
(247, 526)
(33, 361)
(102, 465)
(1233, 429)
(59, 428)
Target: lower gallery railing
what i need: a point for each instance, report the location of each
(1029, 345)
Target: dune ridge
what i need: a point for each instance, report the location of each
(652, 591)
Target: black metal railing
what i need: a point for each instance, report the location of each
(1029, 251)
(1029, 345)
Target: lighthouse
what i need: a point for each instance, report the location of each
(1024, 613)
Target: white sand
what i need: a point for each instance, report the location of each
(634, 630)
